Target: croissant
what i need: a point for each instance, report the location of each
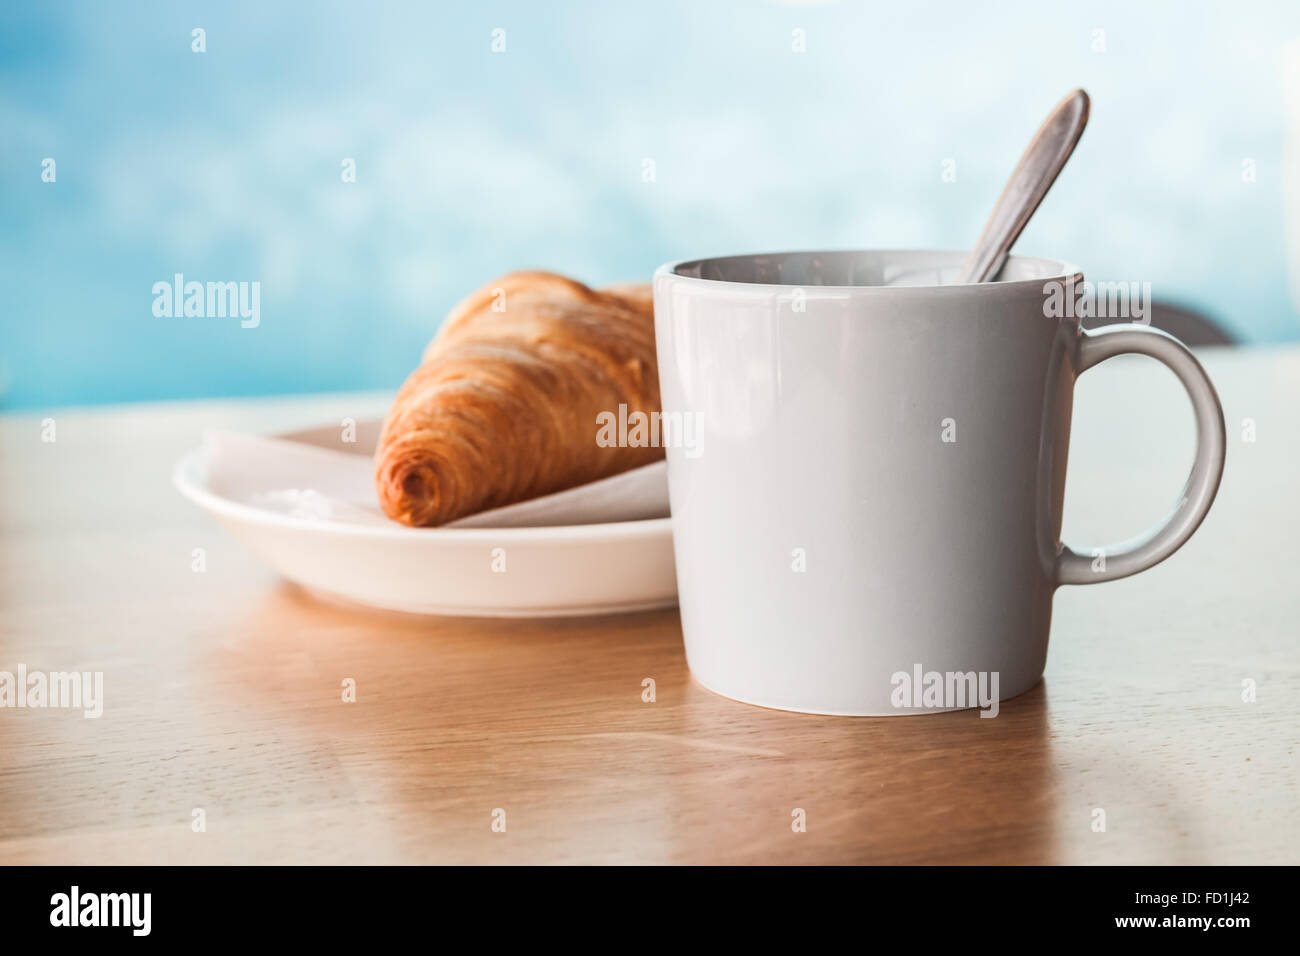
(504, 406)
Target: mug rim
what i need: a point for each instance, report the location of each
(1057, 270)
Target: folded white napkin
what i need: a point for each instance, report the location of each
(317, 483)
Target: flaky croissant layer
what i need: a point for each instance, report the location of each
(505, 405)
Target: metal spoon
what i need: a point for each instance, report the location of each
(1037, 170)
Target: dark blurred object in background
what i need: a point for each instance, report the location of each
(1192, 328)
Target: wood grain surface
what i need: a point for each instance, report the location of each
(222, 689)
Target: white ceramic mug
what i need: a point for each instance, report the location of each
(877, 489)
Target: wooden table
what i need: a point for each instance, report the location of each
(222, 688)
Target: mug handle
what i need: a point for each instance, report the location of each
(1119, 561)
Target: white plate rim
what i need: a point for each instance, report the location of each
(186, 476)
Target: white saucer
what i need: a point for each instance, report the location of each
(547, 571)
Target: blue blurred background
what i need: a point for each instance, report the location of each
(226, 165)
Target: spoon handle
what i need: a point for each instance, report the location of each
(1037, 170)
